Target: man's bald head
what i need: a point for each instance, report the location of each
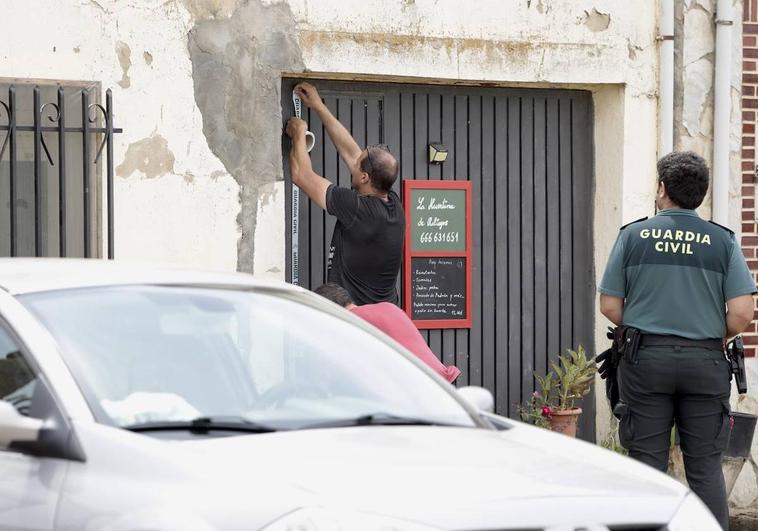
(381, 167)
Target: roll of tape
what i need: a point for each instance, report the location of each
(310, 138)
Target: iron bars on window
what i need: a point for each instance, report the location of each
(57, 118)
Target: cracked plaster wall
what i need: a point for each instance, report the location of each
(175, 200)
(237, 62)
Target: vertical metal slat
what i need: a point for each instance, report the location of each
(528, 292)
(489, 317)
(109, 174)
(85, 172)
(38, 250)
(475, 174)
(62, 172)
(541, 231)
(502, 241)
(12, 166)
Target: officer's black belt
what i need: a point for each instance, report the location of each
(655, 340)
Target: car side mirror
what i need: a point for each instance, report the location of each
(14, 427)
(478, 397)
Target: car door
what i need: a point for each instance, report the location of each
(29, 485)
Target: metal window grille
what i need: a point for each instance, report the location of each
(53, 139)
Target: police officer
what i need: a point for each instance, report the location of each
(684, 284)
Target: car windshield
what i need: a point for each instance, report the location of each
(149, 354)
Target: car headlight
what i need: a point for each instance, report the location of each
(322, 519)
(693, 514)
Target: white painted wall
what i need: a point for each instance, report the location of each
(186, 216)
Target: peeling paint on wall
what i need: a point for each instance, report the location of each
(542, 9)
(237, 64)
(148, 57)
(596, 21)
(124, 54)
(210, 9)
(693, 82)
(151, 156)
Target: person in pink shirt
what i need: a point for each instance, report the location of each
(395, 323)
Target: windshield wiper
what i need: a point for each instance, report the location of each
(203, 425)
(376, 419)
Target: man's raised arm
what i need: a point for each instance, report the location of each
(347, 148)
(303, 175)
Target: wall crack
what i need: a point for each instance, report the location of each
(237, 63)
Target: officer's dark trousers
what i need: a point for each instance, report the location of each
(690, 386)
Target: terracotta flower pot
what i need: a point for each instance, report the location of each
(564, 421)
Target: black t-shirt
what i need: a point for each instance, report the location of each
(367, 245)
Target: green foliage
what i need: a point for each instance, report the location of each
(611, 441)
(568, 381)
(575, 375)
(534, 411)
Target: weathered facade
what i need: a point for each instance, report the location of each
(197, 91)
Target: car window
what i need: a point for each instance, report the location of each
(17, 380)
(152, 354)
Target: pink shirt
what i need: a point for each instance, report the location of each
(395, 323)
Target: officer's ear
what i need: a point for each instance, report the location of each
(661, 189)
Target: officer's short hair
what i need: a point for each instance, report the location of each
(685, 175)
(335, 293)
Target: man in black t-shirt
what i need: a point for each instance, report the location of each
(367, 243)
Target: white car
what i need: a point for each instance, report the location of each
(166, 399)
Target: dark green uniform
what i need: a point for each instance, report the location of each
(676, 272)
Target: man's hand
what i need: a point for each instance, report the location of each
(296, 128)
(346, 146)
(309, 95)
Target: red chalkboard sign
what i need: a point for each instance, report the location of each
(437, 257)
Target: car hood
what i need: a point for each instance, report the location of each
(454, 477)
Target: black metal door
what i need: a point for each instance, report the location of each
(528, 154)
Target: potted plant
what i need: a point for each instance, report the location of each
(554, 404)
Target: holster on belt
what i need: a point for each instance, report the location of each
(735, 353)
(625, 344)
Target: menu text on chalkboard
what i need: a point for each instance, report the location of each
(439, 288)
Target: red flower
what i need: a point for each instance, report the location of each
(547, 411)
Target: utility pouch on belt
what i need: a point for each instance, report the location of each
(735, 352)
(626, 341)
